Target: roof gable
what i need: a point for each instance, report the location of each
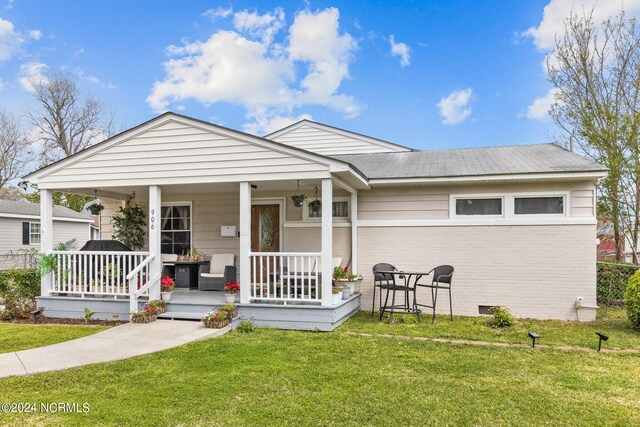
(328, 140)
(174, 149)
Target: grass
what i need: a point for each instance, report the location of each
(274, 377)
(15, 337)
(580, 334)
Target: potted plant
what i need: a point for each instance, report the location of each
(167, 287)
(216, 319)
(230, 290)
(230, 309)
(160, 306)
(336, 295)
(95, 208)
(315, 208)
(298, 200)
(346, 279)
(149, 314)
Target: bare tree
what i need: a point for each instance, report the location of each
(596, 72)
(67, 121)
(14, 149)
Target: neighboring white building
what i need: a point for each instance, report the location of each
(20, 226)
(517, 223)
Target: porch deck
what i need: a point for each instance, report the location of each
(193, 304)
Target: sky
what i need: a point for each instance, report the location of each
(425, 74)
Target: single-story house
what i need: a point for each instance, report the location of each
(20, 226)
(517, 222)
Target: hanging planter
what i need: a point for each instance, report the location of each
(298, 200)
(314, 208)
(95, 208)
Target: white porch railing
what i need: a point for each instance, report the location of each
(99, 274)
(285, 276)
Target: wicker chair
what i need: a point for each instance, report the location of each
(221, 270)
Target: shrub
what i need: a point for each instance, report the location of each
(632, 300)
(18, 290)
(246, 326)
(502, 318)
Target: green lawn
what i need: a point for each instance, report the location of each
(581, 334)
(274, 377)
(14, 337)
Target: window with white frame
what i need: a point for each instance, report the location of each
(176, 228)
(478, 206)
(34, 233)
(538, 205)
(339, 208)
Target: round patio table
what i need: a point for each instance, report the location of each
(405, 308)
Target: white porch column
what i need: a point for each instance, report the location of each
(46, 235)
(354, 233)
(327, 240)
(245, 242)
(155, 208)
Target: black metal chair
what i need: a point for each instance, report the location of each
(442, 278)
(381, 281)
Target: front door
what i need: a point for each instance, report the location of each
(265, 228)
(265, 237)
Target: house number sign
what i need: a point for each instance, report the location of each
(153, 218)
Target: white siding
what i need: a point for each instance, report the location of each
(11, 233)
(180, 153)
(327, 141)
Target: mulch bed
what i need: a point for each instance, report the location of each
(58, 321)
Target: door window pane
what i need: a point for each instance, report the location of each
(492, 206)
(539, 205)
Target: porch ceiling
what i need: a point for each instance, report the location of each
(122, 193)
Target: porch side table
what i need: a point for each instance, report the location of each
(186, 275)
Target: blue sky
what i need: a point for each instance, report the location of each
(458, 73)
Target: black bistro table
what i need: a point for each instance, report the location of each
(406, 307)
(186, 275)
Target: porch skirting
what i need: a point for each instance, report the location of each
(273, 316)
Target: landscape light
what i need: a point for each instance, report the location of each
(601, 337)
(533, 337)
(36, 314)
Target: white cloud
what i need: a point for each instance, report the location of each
(32, 73)
(3, 84)
(455, 108)
(9, 5)
(81, 75)
(262, 26)
(557, 11)
(10, 40)
(540, 108)
(35, 34)
(218, 12)
(252, 70)
(401, 50)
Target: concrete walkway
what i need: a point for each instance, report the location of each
(120, 342)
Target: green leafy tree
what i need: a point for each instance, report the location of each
(595, 69)
(72, 201)
(129, 226)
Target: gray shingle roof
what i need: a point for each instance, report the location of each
(28, 208)
(517, 159)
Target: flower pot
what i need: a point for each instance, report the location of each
(146, 319)
(336, 298)
(95, 209)
(297, 201)
(166, 296)
(216, 324)
(231, 298)
(346, 293)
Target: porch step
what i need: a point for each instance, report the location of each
(181, 315)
